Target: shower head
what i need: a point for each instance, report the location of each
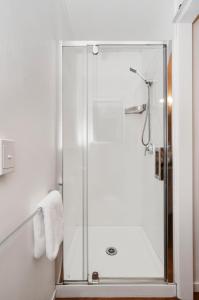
(133, 70)
(140, 75)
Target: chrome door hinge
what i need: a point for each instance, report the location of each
(95, 278)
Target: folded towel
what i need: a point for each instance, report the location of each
(48, 226)
(39, 235)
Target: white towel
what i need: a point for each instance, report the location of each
(48, 226)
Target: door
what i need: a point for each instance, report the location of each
(126, 180)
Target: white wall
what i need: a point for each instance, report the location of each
(120, 19)
(182, 168)
(29, 31)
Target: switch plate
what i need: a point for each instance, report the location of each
(7, 157)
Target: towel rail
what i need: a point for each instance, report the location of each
(19, 226)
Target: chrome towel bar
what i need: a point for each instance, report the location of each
(22, 223)
(19, 226)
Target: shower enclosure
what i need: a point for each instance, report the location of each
(114, 187)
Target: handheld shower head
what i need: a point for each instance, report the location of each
(147, 142)
(133, 70)
(138, 73)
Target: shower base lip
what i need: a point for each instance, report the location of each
(116, 280)
(119, 290)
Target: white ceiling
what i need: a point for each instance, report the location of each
(120, 19)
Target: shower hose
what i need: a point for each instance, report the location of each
(146, 142)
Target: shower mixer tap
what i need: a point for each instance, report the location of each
(149, 149)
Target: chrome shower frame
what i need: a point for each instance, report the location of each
(166, 147)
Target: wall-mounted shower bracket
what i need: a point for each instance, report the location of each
(149, 149)
(95, 49)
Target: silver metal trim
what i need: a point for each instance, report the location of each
(110, 43)
(165, 136)
(130, 280)
(140, 43)
(139, 109)
(85, 181)
(74, 282)
(170, 260)
(118, 280)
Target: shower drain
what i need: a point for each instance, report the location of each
(111, 251)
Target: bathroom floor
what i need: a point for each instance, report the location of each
(118, 298)
(196, 297)
(135, 257)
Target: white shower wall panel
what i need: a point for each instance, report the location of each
(122, 185)
(115, 160)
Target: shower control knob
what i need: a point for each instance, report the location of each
(149, 149)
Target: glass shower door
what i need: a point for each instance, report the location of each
(74, 103)
(125, 184)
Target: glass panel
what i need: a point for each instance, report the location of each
(74, 115)
(125, 196)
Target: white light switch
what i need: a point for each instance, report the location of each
(7, 159)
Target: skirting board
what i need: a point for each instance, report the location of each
(108, 290)
(196, 287)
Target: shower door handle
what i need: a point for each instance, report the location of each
(159, 163)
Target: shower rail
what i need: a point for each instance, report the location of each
(19, 226)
